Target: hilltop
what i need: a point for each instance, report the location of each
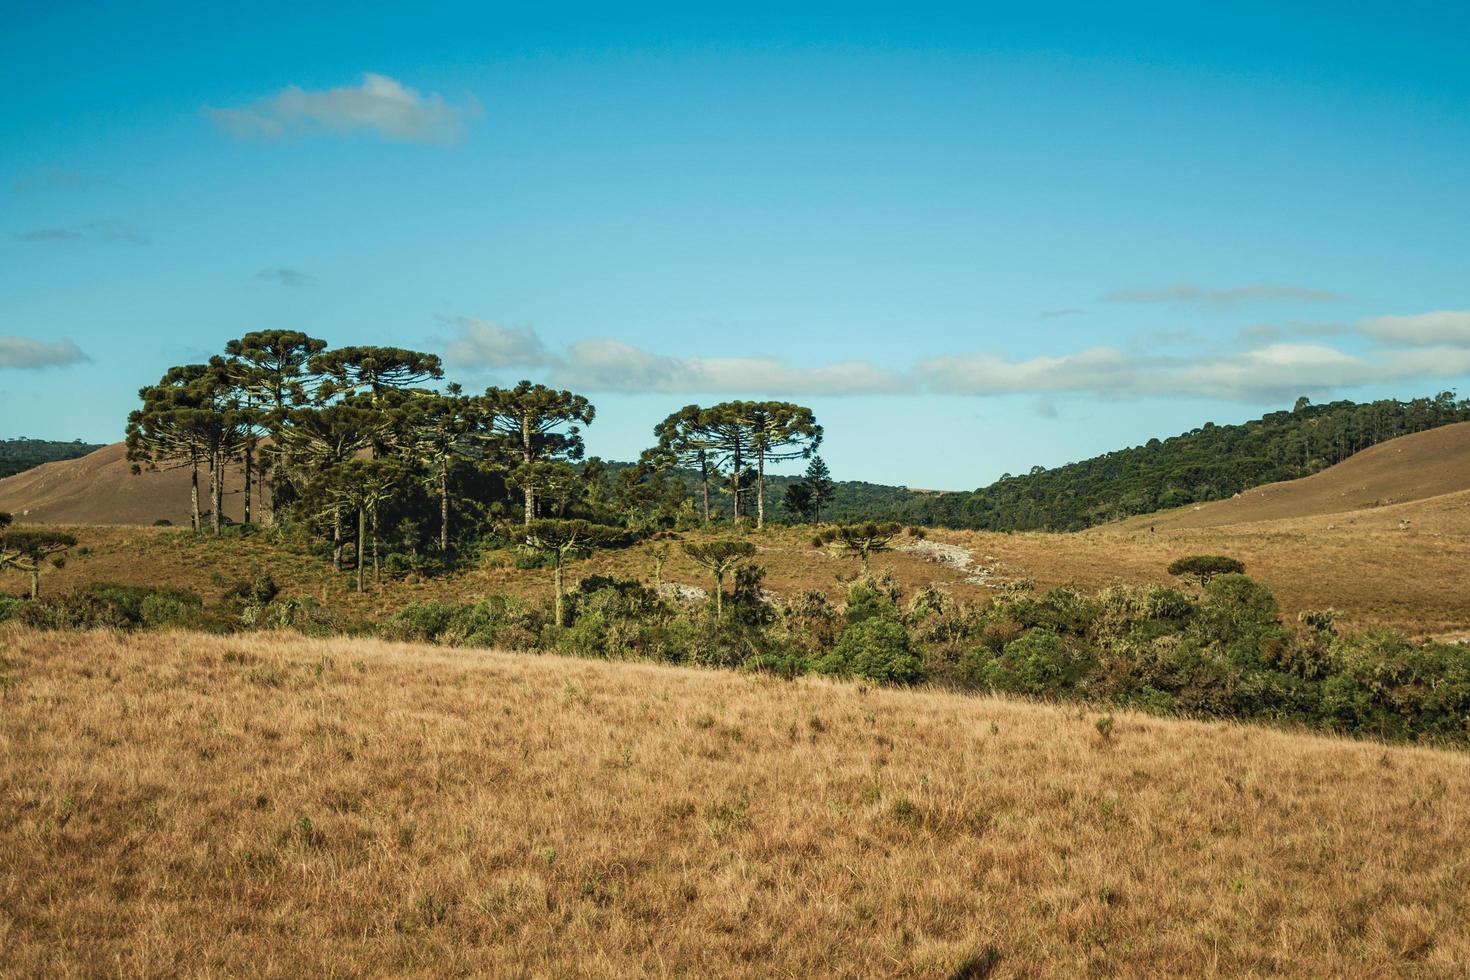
(19, 455)
(283, 806)
(101, 488)
(1213, 462)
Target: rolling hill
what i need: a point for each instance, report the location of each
(101, 488)
(1404, 470)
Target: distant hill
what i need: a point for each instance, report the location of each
(1213, 462)
(19, 455)
(1403, 470)
(100, 488)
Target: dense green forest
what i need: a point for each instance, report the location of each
(19, 455)
(1209, 463)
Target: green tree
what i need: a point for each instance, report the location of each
(27, 551)
(269, 369)
(364, 485)
(562, 540)
(819, 483)
(777, 431)
(1206, 567)
(686, 438)
(719, 558)
(372, 370)
(531, 424)
(437, 435)
(862, 540)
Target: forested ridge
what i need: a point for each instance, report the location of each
(1212, 462)
(21, 454)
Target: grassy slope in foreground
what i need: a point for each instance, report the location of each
(266, 804)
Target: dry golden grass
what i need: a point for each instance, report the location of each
(179, 804)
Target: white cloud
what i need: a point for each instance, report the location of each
(482, 344)
(22, 352)
(1222, 299)
(1439, 327)
(380, 105)
(1268, 372)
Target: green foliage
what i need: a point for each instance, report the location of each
(19, 455)
(1212, 462)
(875, 649)
(104, 605)
(1206, 567)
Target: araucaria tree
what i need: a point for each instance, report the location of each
(862, 540)
(687, 438)
(363, 485)
(1206, 567)
(28, 550)
(268, 368)
(562, 540)
(777, 431)
(531, 424)
(719, 558)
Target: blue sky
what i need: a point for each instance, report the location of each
(972, 239)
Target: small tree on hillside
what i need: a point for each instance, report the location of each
(364, 485)
(530, 424)
(819, 484)
(562, 540)
(27, 551)
(719, 558)
(1206, 567)
(860, 540)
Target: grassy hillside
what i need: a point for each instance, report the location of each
(1410, 468)
(1210, 463)
(285, 807)
(101, 488)
(19, 455)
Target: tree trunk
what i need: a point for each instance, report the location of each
(35, 582)
(444, 509)
(735, 485)
(526, 459)
(249, 460)
(558, 588)
(377, 573)
(760, 491)
(361, 542)
(704, 478)
(194, 493)
(337, 539)
(216, 490)
(719, 596)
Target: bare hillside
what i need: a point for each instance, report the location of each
(1410, 468)
(101, 488)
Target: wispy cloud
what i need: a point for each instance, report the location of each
(1065, 311)
(481, 344)
(27, 354)
(1222, 299)
(118, 232)
(1265, 332)
(294, 278)
(380, 105)
(1439, 327)
(1268, 372)
(54, 179)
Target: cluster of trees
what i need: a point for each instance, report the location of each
(353, 443)
(1209, 463)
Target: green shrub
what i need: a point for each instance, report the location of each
(9, 606)
(876, 649)
(1039, 663)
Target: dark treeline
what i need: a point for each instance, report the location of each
(357, 446)
(19, 455)
(1209, 463)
